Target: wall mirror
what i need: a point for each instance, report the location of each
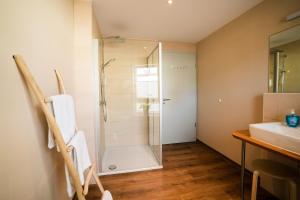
(284, 61)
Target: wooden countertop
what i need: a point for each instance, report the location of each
(244, 135)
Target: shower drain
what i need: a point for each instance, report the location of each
(112, 167)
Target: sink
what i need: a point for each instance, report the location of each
(277, 134)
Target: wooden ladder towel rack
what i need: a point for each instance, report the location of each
(92, 171)
(64, 149)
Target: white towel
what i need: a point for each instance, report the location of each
(81, 154)
(81, 159)
(64, 113)
(106, 195)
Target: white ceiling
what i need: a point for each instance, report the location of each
(183, 21)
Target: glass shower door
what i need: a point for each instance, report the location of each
(154, 102)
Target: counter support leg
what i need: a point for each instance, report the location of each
(243, 169)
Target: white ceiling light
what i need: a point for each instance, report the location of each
(170, 2)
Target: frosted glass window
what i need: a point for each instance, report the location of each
(147, 82)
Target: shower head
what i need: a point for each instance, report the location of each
(109, 61)
(274, 50)
(114, 39)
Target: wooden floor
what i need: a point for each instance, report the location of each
(192, 171)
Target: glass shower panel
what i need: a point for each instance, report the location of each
(154, 103)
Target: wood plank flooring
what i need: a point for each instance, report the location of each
(192, 171)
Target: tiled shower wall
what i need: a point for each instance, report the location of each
(127, 122)
(277, 105)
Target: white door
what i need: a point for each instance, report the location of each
(179, 97)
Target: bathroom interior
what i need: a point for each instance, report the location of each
(172, 99)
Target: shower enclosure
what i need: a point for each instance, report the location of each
(130, 105)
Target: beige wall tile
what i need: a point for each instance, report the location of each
(277, 105)
(125, 125)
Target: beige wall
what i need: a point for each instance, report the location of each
(96, 32)
(42, 32)
(83, 72)
(181, 47)
(277, 105)
(233, 67)
(49, 34)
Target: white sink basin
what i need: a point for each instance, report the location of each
(277, 134)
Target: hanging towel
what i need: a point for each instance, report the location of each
(81, 159)
(106, 195)
(64, 113)
(80, 154)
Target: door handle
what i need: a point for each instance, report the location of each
(167, 99)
